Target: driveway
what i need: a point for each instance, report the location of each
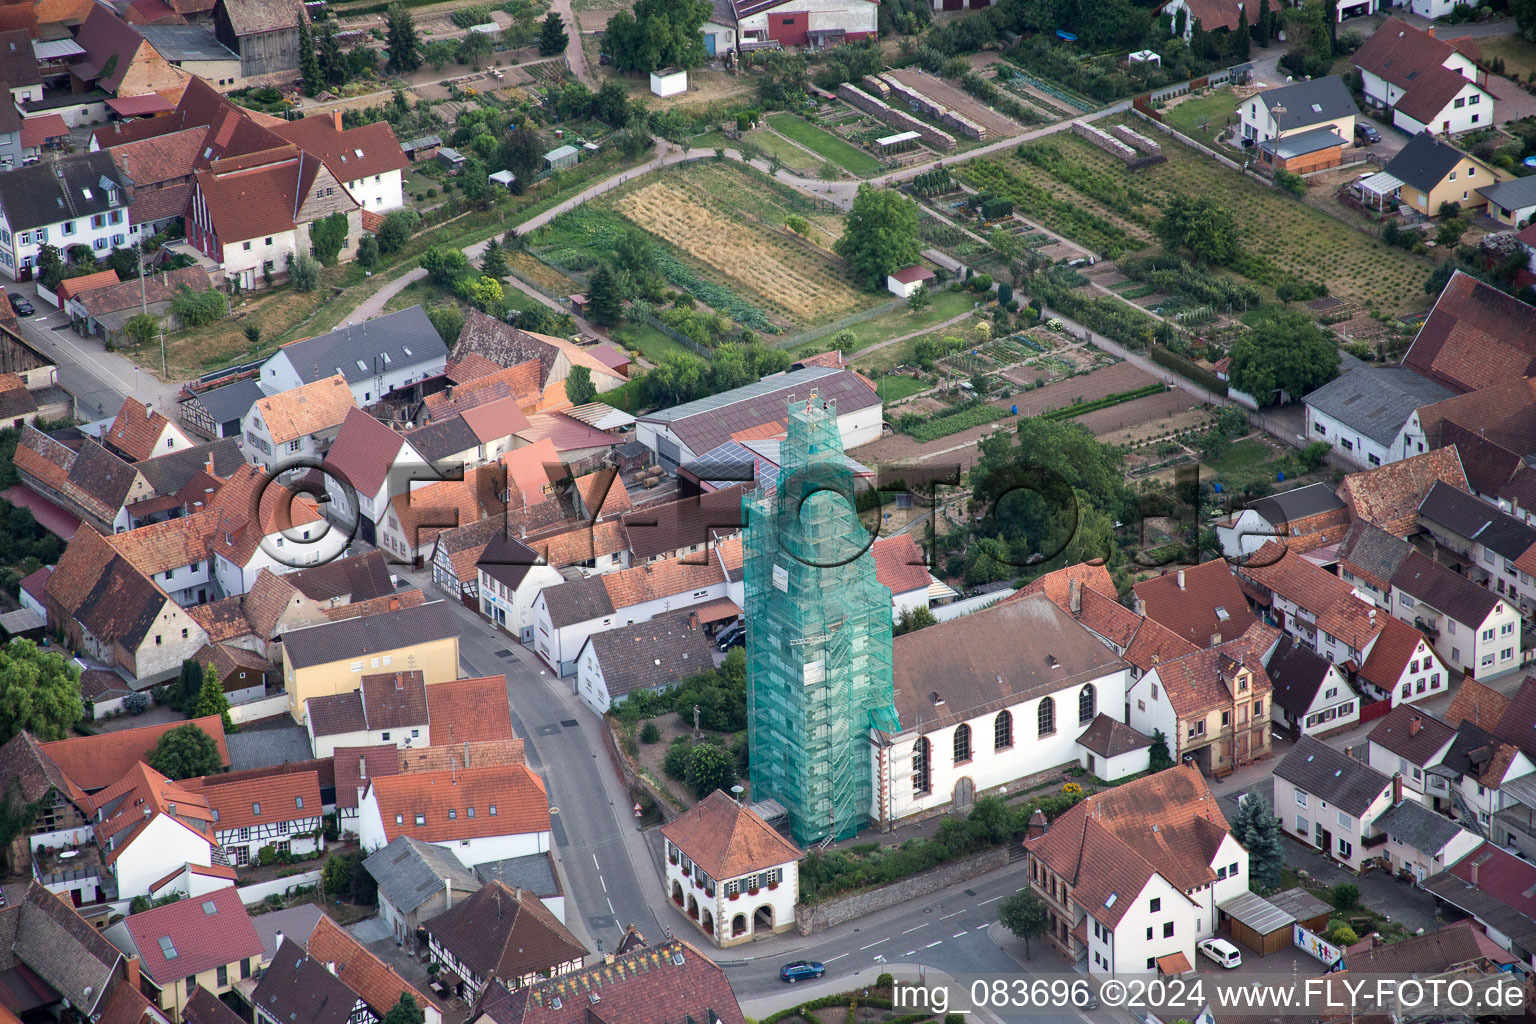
(1510, 102)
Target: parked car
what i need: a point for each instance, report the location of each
(728, 636)
(1221, 951)
(735, 640)
(793, 972)
(1366, 134)
(20, 304)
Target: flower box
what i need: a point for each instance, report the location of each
(672, 861)
(685, 871)
(772, 886)
(751, 892)
(734, 896)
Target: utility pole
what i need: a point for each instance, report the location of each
(138, 251)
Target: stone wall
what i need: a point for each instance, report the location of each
(842, 909)
(1135, 139)
(934, 109)
(898, 119)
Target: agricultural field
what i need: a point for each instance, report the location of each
(846, 155)
(1073, 188)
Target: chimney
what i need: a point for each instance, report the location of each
(466, 755)
(1431, 31)
(1397, 788)
(1181, 579)
(1473, 872)
(1349, 751)
(337, 115)
(330, 965)
(277, 939)
(209, 466)
(394, 605)
(693, 620)
(149, 410)
(447, 894)
(1036, 825)
(362, 767)
(1075, 598)
(1215, 639)
(1414, 725)
(131, 971)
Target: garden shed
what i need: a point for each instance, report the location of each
(669, 81)
(450, 157)
(1258, 923)
(560, 158)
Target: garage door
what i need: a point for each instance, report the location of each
(789, 29)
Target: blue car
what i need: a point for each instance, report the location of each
(802, 969)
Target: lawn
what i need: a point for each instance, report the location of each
(1248, 462)
(1088, 195)
(894, 387)
(1519, 54)
(847, 156)
(650, 342)
(790, 155)
(896, 323)
(1214, 108)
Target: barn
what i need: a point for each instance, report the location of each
(767, 24)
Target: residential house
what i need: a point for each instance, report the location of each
(534, 873)
(684, 526)
(508, 346)
(417, 882)
(95, 762)
(509, 581)
(242, 673)
(1112, 750)
(1477, 767)
(376, 357)
(174, 554)
(1428, 173)
(377, 984)
(283, 812)
(744, 25)
(501, 934)
(1490, 428)
(1202, 604)
(1473, 630)
(63, 819)
(1213, 15)
(1367, 414)
(1420, 842)
(1301, 127)
(730, 871)
(79, 199)
(72, 286)
(977, 718)
(66, 963)
(417, 517)
(1497, 546)
(1389, 497)
(264, 525)
(118, 61)
(1514, 825)
(250, 213)
(648, 656)
(1331, 801)
(481, 814)
(1511, 203)
(207, 942)
(147, 826)
(683, 433)
(366, 159)
(473, 437)
(901, 566)
(673, 974)
(331, 658)
(1135, 875)
(374, 463)
(206, 1008)
(103, 312)
(566, 615)
(354, 766)
(19, 67)
(1410, 742)
(297, 424)
(1413, 74)
(11, 150)
(1301, 519)
(195, 50)
(1474, 338)
(1493, 887)
(399, 708)
(1212, 705)
(1311, 696)
(110, 610)
(299, 989)
(266, 36)
(345, 588)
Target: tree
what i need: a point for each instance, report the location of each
(211, 699)
(188, 685)
(81, 255)
(329, 237)
(142, 328)
(1287, 353)
(368, 252)
(333, 63)
(484, 293)
(39, 692)
(310, 77)
(50, 266)
(439, 53)
(914, 619)
(603, 298)
(1242, 39)
(396, 230)
(493, 261)
(553, 37)
(125, 262)
(579, 387)
(1346, 895)
(1266, 25)
(472, 47)
(1525, 17)
(709, 768)
(444, 264)
(879, 236)
(1205, 229)
(657, 33)
(404, 1012)
(1158, 755)
(475, 183)
(185, 752)
(303, 271)
(401, 42)
(345, 878)
(1257, 830)
(920, 299)
(1025, 914)
(679, 377)
(448, 320)
(1343, 935)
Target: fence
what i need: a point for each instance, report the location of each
(254, 893)
(1054, 92)
(848, 321)
(253, 710)
(681, 339)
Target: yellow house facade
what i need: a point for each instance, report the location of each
(332, 658)
(1433, 173)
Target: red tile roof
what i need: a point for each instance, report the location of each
(95, 762)
(899, 564)
(168, 157)
(307, 409)
(363, 451)
(126, 808)
(1396, 644)
(469, 710)
(1197, 603)
(137, 430)
(514, 792)
(374, 981)
(1475, 336)
(72, 286)
(253, 802)
(727, 839)
(204, 932)
(42, 128)
(251, 196)
(909, 275)
(1389, 496)
(350, 155)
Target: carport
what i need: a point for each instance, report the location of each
(1382, 187)
(1258, 923)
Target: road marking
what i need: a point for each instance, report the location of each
(909, 930)
(872, 945)
(909, 952)
(600, 878)
(946, 917)
(832, 958)
(994, 899)
(932, 944)
(595, 863)
(958, 934)
(610, 906)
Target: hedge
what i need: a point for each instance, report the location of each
(1068, 412)
(1184, 368)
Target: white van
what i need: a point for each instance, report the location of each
(1221, 951)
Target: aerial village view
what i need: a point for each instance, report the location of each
(756, 511)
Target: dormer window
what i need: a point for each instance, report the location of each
(111, 197)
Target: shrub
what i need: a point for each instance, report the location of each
(1346, 895)
(136, 703)
(1341, 934)
(1295, 184)
(650, 733)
